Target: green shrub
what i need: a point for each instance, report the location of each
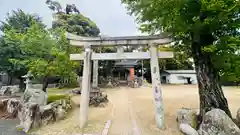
(54, 97)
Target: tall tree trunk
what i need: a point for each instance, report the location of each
(210, 90)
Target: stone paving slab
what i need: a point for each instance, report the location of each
(8, 127)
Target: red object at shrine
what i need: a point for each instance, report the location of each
(132, 74)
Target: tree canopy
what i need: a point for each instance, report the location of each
(43, 52)
(207, 30)
(20, 21)
(15, 25)
(27, 45)
(71, 20)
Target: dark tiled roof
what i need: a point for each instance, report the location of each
(126, 63)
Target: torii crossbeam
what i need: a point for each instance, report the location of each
(153, 54)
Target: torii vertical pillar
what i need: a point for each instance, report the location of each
(86, 86)
(156, 89)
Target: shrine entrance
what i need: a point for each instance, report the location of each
(145, 41)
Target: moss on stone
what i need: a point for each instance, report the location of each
(194, 121)
(19, 128)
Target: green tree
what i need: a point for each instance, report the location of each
(27, 45)
(72, 20)
(54, 6)
(46, 55)
(15, 22)
(181, 60)
(10, 48)
(20, 21)
(228, 62)
(201, 28)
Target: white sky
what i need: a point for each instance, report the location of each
(110, 15)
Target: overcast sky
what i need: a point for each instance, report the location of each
(110, 16)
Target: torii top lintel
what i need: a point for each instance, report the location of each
(76, 40)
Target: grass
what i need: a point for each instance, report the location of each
(58, 89)
(54, 97)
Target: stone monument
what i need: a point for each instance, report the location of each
(29, 107)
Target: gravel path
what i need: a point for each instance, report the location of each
(131, 111)
(8, 127)
(70, 125)
(123, 118)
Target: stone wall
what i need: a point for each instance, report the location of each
(32, 115)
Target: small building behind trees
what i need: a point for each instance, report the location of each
(179, 77)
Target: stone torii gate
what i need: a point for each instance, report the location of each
(88, 42)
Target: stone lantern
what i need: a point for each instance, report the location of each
(28, 81)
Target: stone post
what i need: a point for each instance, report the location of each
(95, 74)
(86, 83)
(156, 83)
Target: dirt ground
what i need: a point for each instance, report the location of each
(70, 125)
(132, 112)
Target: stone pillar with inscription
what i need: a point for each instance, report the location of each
(86, 87)
(95, 74)
(156, 83)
